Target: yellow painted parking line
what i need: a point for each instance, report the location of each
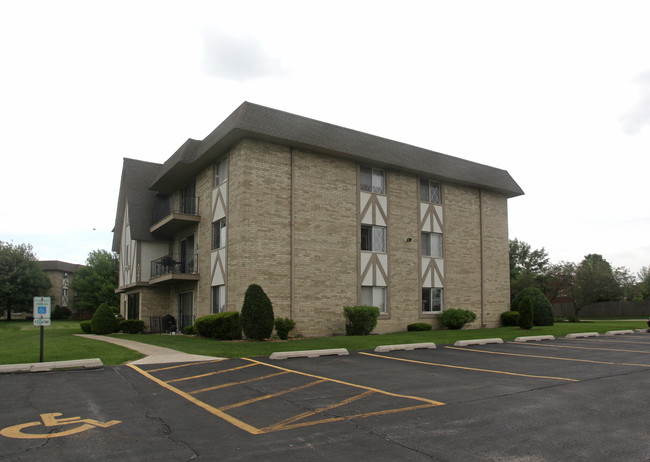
(577, 347)
(417, 398)
(212, 410)
(209, 373)
(185, 365)
(470, 368)
(272, 395)
(538, 356)
(231, 384)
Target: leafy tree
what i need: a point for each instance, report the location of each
(644, 285)
(256, 314)
(560, 280)
(528, 267)
(95, 283)
(21, 278)
(594, 282)
(627, 283)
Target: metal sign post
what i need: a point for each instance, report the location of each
(42, 316)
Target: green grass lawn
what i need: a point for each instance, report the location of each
(19, 341)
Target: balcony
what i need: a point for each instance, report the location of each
(174, 268)
(172, 216)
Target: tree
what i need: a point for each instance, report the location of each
(594, 282)
(95, 283)
(256, 314)
(560, 280)
(542, 308)
(644, 276)
(21, 278)
(627, 283)
(526, 315)
(527, 267)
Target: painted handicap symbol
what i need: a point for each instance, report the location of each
(53, 420)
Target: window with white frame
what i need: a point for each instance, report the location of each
(220, 171)
(218, 299)
(219, 234)
(430, 191)
(431, 244)
(374, 296)
(372, 180)
(431, 300)
(373, 238)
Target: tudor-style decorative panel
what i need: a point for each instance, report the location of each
(433, 272)
(430, 218)
(218, 267)
(219, 202)
(373, 209)
(374, 269)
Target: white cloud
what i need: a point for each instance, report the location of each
(639, 115)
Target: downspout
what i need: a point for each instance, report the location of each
(480, 207)
(291, 225)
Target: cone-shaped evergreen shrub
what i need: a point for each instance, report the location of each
(103, 321)
(526, 313)
(256, 314)
(542, 308)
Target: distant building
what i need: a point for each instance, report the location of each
(61, 275)
(321, 217)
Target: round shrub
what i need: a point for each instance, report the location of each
(256, 314)
(85, 327)
(542, 308)
(220, 326)
(456, 318)
(360, 320)
(526, 313)
(188, 330)
(418, 327)
(131, 326)
(283, 326)
(103, 321)
(510, 318)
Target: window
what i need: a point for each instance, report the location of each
(188, 199)
(374, 296)
(133, 306)
(220, 171)
(373, 238)
(218, 299)
(372, 180)
(431, 245)
(430, 191)
(219, 234)
(64, 293)
(431, 300)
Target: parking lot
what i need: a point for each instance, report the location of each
(567, 399)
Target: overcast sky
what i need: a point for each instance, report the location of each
(555, 92)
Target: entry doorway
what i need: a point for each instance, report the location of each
(185, 310)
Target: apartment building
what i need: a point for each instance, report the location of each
(321, 217)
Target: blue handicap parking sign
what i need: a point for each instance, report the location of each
(42, 310)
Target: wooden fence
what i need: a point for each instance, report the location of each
(605, 309)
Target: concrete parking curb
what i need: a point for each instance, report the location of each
(534, 338)
(309, 353)
(583, 335)
(406, 347)
(619, 332)
(479, 341)
(93, 363)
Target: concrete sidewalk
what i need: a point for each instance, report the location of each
(154, 354)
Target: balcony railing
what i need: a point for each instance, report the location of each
(185, 206)
(175, 264)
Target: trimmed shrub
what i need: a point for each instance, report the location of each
(85, 327)
(220, 326)
(103, 321)
(131, 326)
(456, 318)
(188, 330)
(256, 314)
(542, 308)
(61, 313)
(418, 327)
(283, 326)
(526, 313)
(510, 318)
(360, 320)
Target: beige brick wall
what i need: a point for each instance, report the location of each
(259, 238)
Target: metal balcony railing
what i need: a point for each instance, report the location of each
(186, 205)
(175, 264)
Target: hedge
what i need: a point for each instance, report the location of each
(360, 320)
(418, 327)
(220, 326)
(131, 326)
(456, 318)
